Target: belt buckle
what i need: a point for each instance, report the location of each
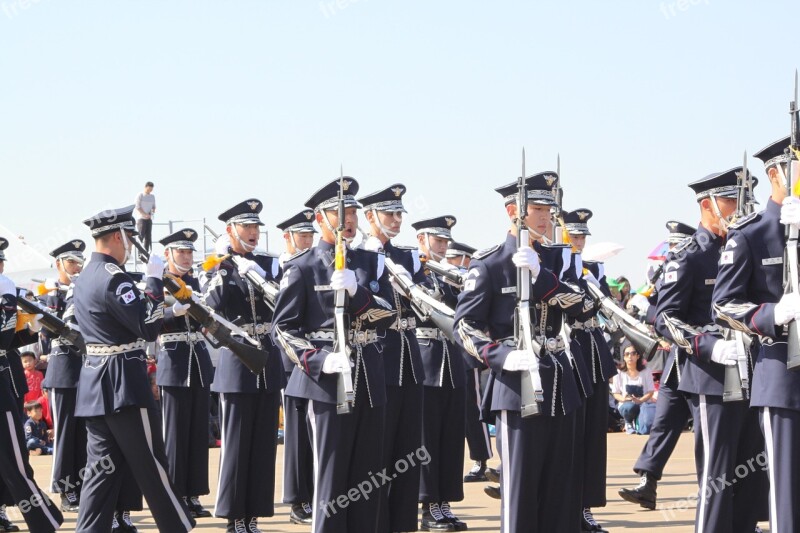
(404, 323)
(551, 344)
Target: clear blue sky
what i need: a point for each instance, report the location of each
(220, 101)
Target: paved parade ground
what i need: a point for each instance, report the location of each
(675, 512)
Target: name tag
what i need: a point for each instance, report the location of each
(319, 288)
(508, 290)
(711, 281)
(772, 261)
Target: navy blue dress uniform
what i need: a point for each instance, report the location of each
(63, 369)
(535, 450)
(249, 403)
(673, 410)
(444, 398)
(404, 374)
(184, 373)
(684, 318)
(345, 450)
(749, 285)
(114, 395)
(479, 441)
(17, 485)
(298, 455)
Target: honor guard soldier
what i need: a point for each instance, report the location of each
(535, 450)
(444, 415)
(63, 369)
(117, 321)
(402, 362)
(749, 297)
(479, 442)
(600, 362)
(346, 445)
(673, 409)
(249, 403)
(17, 486)
(184, 373)
(683, 316)
(298, 455)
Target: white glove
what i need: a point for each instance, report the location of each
(639, 301)
(725, 353)
(518, 361)
(222, 244)
(35, 325)
(155, 267)
(790, 211)
(283, 258)
(246, 265)
(373, 244)
(526, 257)
(180, 309)
(335, 362)
(50, 284)
(787, 309)
(7, 286)
(589, 277)
(344, 279)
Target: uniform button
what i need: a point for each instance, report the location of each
(549, 328)
(538, 306)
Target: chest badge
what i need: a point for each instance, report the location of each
(374, 286)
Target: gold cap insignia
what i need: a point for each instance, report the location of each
(449, 221)
(550, 179)
(346, 184)
(188, 233)
(398, 191)
(309, 214)
(253, 205)
(583, 215)
(77, 244)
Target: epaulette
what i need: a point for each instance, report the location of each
(555, 245)
(407, 248)
(265, 254)
(297, 254)
(685, 243)
(480, 254)
(745, 220)
(113, 269)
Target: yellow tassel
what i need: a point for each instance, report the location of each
(795, 185)
(23, 319)
(185, 292)
(212, 261)
(41, 290)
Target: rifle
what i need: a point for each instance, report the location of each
(52, 323)
(791, 271)
(222, 331)
(531, 391)
(451, 275)
(424, 305)
(345, 396)
(560, 234)
(634, 331)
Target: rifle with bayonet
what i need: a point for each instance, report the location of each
(791, 270)
(531, 391)
(560, 234)
(449, 273)
(345, 396)
(52, 323)
(219, 331)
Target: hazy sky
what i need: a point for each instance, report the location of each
(217, 102)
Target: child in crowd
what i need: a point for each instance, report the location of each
(39, 439)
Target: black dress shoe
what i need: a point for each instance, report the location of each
(492, 491)
(196, 508)
(493, 475)
(477, 473)
(5, 523)
(644, 494)
(434, 520)
(116, 524)
(69, 502)
(236, 526)
(448, 514)
(588, 523)
(301, 513)
(125, 522)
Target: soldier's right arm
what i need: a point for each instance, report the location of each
(142, 316)
(8, 320)
(216, 290)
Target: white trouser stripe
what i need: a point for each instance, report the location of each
(315, 505)
(706, 451)
(221, 450)
(505, 477)
(769, 442)
(56, 433)
(161, 472)
(484, 427)
(285, 436)
(12, 424)
(163, 415)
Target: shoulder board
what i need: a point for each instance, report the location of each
(745, 220)
(113, 269)
(407, 248)
(265, 254)
(685, 243)
(298, 254)
(556, 245)
(480, 254)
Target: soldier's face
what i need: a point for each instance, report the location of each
(182, 258)
(70, 267)
(578, 242)
(350, 221)
(432, 246)
(302, 241)
(392, 221)
(461, 261)
(538, 218)
(248, 233)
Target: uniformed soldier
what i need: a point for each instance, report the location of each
(600, 362)
(535, 450)
(63, 369)
(16, 476)
(673, 409)
(683, 317)
(345, 449)
(184, 374)
(16, 375)
(749, 297)
(477, 432)
(444, 416)
(117, 321)
(298, 456)
(402, 362)
(249, 403)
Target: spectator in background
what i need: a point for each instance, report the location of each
(38, 438)
(632, 387)
(145, 209)
(33, 377)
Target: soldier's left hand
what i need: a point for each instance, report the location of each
(246, 265)
(344, 279)
(790, 212)
(155, 267)
(725, 352)
(180, 309)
